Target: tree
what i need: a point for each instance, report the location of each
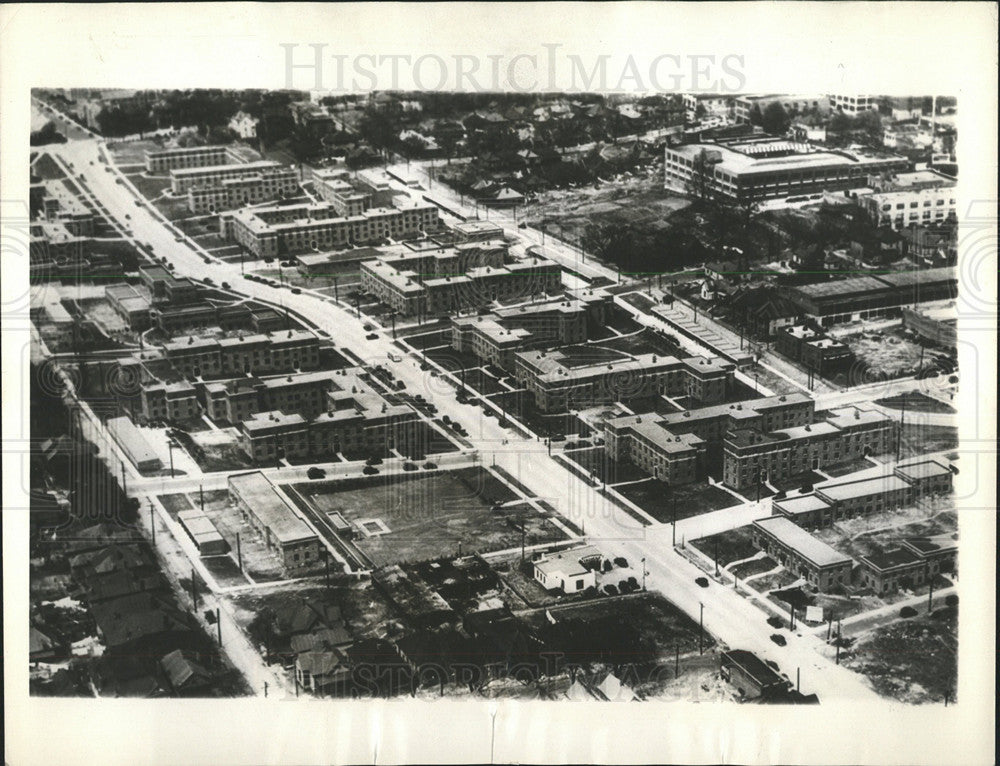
(613, 242)
(699, 185)
(775, 119)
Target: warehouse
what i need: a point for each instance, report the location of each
(134, 444)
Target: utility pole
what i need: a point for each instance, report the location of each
(673, 526)
(930, 593)
(170, 449)
(152, 523)
(716, 558)
(701, 628)
(265, 690)
(239, 551)
(194, 590)
(201, 496)
(644, 575)
(218, 623)
(798, 680)
(791, 620)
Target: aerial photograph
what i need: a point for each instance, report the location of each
(556, 396)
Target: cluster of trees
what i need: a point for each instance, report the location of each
(47, 134)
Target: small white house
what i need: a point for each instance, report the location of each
(244, 125)
(570, 571)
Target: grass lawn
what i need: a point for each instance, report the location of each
(645, 342)
(429, 339)
(596, 461)
(150, 187)
(431, 515)
(918, 439)
(734, 545)
(844, 469)
(914, 401)
(175, 503)
(750, 568)
(659, 499)
(450, 359)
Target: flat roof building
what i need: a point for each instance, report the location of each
(135, 446)
(203, 533)
(282, 529)
(802, 554)
(771, 168)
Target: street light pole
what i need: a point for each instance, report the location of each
(701, 628)
(644, 575)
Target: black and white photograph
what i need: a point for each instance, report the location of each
(507, 382)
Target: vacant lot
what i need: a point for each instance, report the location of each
(733, 545)
(150, 187)
(661, 501)
(427, 516)
(624, 629)
(889, 353)
(911, 661)
(919, 439)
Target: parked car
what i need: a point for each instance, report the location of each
(371, 336)
(225, 285)
(296, 290)
(702, 581)
(369, 470)
(778, 639)
(316, 473)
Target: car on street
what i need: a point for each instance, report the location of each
(296, 291)
(316, 473)
(702, 582)
(371, 336)
(778, 639)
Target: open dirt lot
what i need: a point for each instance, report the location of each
(912, 661)
(659, 499)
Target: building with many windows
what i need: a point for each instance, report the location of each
(752, 457)
(761, 169)
(284, 351)
(163, 160)
(924, 197)
(854, 105)
(916, 562)
(183, 179)
(263, 186)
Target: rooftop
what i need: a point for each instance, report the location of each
(863, 488)
(900, 557)
(567, 562)
(795, 537)
(263, 499)
(803, 504)
(922, 470)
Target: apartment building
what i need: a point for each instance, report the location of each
(271, 352)
(753, 456)
(171, 402)
(237, 400)
(470, 275)
(802, 554)
(264, 186)
(837, 499)
(673, 447)
(164, 160)
(183, 179)
(914, 563)
(355, 419)
(763, 169)
(269, 231)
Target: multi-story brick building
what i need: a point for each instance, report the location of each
(923, 197)
(277, 230)
(237, 400)
(183, 179)
(813, 348)
(752, 456)
(256, 354)
(266, 185)
(163, 160)
(913, 564)
(172, 402)
(131, 305)
(495, 337)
